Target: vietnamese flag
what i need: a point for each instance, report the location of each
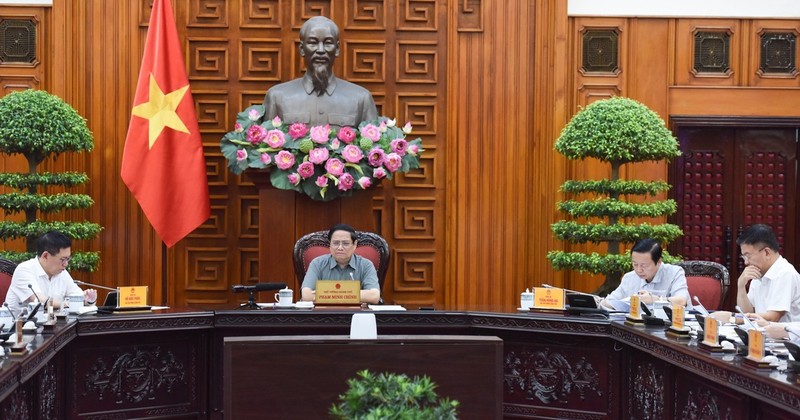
(163, 163)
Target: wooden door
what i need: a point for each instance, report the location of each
(729, 178)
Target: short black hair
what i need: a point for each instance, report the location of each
(649, 246)
(344, 227)
(52, 242)
(759, 234)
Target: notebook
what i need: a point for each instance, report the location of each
(338, 292)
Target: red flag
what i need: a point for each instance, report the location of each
(163, 163)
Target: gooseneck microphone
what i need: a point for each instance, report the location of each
(14, 318)
(32, 315)
(83, 283)
(258, 287)
(700, 308)
(567, 290)
(35, 296)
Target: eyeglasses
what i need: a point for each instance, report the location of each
(343, 244)
(65, 260)
(642, 266)
(747, 255)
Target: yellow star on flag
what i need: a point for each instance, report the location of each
(160, 110)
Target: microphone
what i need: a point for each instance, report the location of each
(83, 283)
(746, 319)
(700, 308)
(13, 318)
(258, 287)
(568, 290)
(30, 286)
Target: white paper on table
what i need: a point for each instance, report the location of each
(387, 308)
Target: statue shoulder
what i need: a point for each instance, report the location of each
(286, 87)
(352, 88)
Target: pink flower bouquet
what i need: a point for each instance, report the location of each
(322, 162)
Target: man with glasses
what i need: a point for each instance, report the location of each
(774, 294)
(45, 276)
(651, 278)
(342, 264)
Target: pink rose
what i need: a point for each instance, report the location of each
(371, 132)
(294, 178)
(306, 169)
(413, 150)
(407, 128)
(256, 134)
(334, 167)
(318, 155)
(375, 157)
(238, 128)
(276, 122)
(346, 182)
(399, 146)
(320, 133)
(322, 181)
(379, 173)
(241, 155)
(284, 160)
(297, 130)
(352, 153)
(382, 127)
(347, 134)
(393, 162)
(275, 138)
(364, 182)
(253, 115)
(266, 159)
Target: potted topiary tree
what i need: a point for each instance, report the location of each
(617, 131)
(392, 396)
(38, 126)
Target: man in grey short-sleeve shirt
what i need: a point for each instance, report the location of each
(342, 264)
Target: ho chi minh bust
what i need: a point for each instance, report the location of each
(319, 97)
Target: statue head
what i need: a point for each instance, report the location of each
(319, 47)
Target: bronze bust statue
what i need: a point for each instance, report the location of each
(319, 97)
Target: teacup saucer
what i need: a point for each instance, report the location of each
(278, 305)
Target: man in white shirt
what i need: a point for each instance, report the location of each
(46, 274)
(774, 294)
(651, 278)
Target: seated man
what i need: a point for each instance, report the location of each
(46, 274)
(651, 278)
(774, 294)
(342, 264)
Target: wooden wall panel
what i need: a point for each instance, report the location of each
(488, 88)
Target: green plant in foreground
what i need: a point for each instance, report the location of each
(392, 396)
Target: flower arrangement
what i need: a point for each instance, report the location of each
(320, 161)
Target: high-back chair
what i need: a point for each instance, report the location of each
(370, 246)
(707, 280)
(6, 271)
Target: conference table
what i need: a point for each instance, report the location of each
(291, 363)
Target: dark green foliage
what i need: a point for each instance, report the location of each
(26, 181)
(39, 125)
(596, 233)
(80, 261)
(609, 206)
(618, 187)
(75, 230)
(15, 202)
(392, 396)
(617, 131)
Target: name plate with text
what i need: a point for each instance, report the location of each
(338, 292)
(132, 296)
(548, 298)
